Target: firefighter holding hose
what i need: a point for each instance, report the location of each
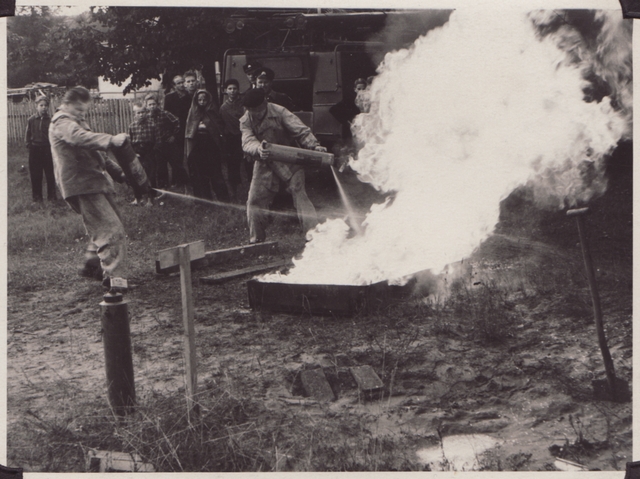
(265, 123)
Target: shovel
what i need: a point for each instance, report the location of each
(613, 388)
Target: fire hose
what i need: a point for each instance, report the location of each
(299, 156)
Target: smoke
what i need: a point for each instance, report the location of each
(403, 29)
(458, 120)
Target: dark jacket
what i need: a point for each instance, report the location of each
(178, 106)
(231, 112)
(37, 133)
(203, 119)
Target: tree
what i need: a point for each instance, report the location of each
(37, 50)
(142, 43)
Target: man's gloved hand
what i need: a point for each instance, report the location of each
(119, 139)
(321, 149)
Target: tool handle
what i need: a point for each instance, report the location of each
(577, 211)
(595, 298)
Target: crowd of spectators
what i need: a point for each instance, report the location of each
(181, 146)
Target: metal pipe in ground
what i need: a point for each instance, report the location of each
(613, 383)
(116, 339)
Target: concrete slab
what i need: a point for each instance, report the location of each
(366, 378)
(316, 385)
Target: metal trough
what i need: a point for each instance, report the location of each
(323, 299)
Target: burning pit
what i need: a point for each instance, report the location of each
(324, 299)
(456, 122)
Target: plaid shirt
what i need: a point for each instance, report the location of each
(144, 131)
(168, 124)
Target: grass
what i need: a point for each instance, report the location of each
(52, 230)
(230, 433)
(481, 305)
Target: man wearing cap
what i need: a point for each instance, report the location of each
(272, 123)
(264, 80)
(250, 69)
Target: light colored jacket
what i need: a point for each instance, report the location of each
(78, 163)
(281, 127)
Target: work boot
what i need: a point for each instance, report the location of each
(91, 268)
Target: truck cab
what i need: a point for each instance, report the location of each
(315, 80)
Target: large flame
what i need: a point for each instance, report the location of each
(457, 121)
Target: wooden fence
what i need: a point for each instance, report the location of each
(104, 116)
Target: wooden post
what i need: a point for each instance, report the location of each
(187, 318)
(182, 255)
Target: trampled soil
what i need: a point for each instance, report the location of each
(528, 389)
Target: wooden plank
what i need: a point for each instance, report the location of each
(219, 256)
(186, 289)
(366, 378)
(169, 257)
(226, 276)
(316, 385)
(222, 255)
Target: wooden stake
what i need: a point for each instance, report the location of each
(189, 330)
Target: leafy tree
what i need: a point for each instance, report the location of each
(37, 50)
(150, 42)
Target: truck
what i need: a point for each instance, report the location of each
(326, 52)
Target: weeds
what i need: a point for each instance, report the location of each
(246, 426)
(230, 434)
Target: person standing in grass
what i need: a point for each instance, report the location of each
(168, 128)
(40, 160)
(80, 169)
(231, 111)
(178, 102)
(264, 121)
(143, 133)
(205, 148)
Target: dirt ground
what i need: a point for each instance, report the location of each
(518, 403)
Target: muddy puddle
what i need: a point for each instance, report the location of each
(457, 453)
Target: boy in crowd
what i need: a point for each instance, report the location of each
(231, 111)
(143, 133)
(178, 103)
(168, 127)
(191, 84)
(40, 160)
